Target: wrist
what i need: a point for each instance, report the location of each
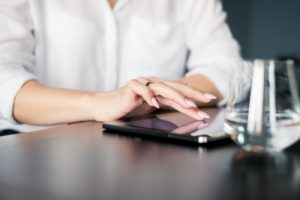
(98, 106)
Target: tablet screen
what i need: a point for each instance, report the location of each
(180, 124)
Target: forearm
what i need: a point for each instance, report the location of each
(40, 105)
(204, 84)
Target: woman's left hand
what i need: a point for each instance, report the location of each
(174, 94)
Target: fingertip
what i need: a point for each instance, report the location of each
(190, 103)
(202, 115)
(155, 102)
(209, 96)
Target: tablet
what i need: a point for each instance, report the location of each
(174, 127)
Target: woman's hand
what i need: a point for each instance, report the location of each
(120, 102)
(180, 96)
(128, 100)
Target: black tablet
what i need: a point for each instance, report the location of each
(174, 126)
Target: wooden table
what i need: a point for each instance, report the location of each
(80, 162)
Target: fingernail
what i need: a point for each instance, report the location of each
(203, 115)
(155, 102)
(210, 96)
(190, 103)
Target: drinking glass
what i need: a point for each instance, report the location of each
(263, 109)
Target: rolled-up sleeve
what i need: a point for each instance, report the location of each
(16, 52)
(213, 52)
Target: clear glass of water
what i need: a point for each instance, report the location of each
(263, 109)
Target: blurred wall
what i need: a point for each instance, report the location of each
(265, 28)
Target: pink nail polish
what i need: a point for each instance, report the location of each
(155, 103)
(190, 103)
(210, 96)
(203, 115)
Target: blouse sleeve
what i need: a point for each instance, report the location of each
(16, 52)
(212, 50)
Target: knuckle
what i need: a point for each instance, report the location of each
(153, 78)
(132, 83)
(141, 79)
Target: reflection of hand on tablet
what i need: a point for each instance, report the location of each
(154, 123)
(190, 127)
(215, 125)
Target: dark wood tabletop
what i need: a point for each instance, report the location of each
(79, 161)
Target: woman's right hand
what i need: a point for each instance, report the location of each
(123, 101)
(120, 102)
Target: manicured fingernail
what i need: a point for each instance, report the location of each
(190, 103)
(155, 103)
(203, 115)
(210, 96)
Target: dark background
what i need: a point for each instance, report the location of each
(265, 28)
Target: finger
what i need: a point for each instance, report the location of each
(160, 89)
(187, 90)
(144, 82)
(144, 92)
(192, 112)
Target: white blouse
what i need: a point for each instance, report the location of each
(86, 45)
